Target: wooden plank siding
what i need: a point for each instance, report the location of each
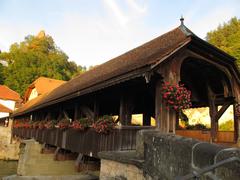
(87, 142)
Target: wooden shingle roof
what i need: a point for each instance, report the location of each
(132, 64)
(137, 58)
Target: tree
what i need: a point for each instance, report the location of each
(227, 38)
(34, 57)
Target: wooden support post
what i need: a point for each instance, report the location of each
(164, 116)
(126, 108)
(236, 110)
(158, 104)
(212, 113)
(79, 162)
(177, 120)
(172, 121)
(213, 124)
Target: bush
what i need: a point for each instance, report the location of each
(197, 127)
(227, 126)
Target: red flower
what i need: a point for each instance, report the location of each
(176, 96)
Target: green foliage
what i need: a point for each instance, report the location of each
(34, 57)
(227, 126)
(196, 127)
(227, 38)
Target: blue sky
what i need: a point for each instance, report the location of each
(91, 32)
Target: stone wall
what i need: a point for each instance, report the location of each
(116, 170)
(168, 156)
(9, 148)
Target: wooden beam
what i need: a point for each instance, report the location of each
(66, 116)
(79, 162)
(225, 88)
(236, 110)
(212, 113)
(222, 110)
(87, 112)
(158, 103)
(48, 116)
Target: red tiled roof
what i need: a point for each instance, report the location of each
(43, 85)
(5, 109)
(8, 94)
(30, 103)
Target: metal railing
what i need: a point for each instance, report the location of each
(198, 173)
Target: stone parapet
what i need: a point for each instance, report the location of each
(168, 156)
(113, 170)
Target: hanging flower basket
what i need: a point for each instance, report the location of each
(104, 125)
(41, 124)
(176, 96)
(63, 124)
(80, 124)
(50, 124)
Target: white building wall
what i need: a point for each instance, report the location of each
(8, 103)
(3, 114)
(33, 94)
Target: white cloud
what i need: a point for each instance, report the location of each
(93, 40)
(137, 7)
(116, 11)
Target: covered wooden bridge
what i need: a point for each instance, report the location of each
(131, 84)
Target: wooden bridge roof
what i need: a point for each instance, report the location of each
(132, 64)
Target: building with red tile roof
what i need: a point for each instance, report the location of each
(40, 86)
(8, 100)
(35, 92)
(8, 94)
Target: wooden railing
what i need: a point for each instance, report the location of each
(205, 135)
(87, 142)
